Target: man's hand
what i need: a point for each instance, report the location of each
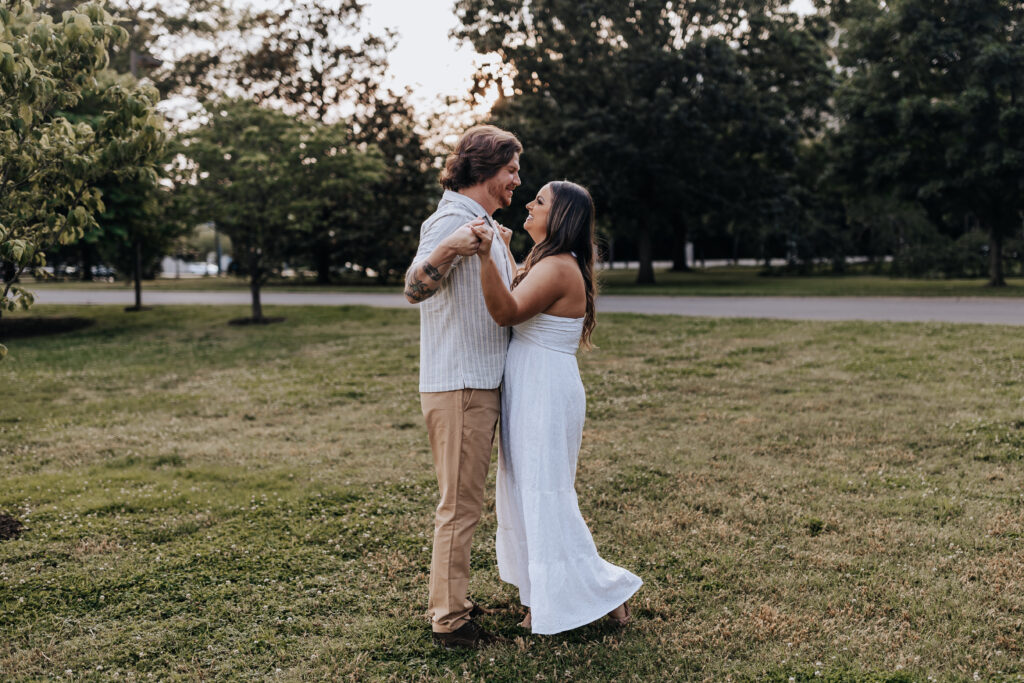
(424, 277)
(464, 241)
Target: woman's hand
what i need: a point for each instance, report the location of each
(506, 234)
(486, 235)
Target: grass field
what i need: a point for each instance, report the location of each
(805, 501)
(729, 281)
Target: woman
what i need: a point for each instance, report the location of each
(544, 547)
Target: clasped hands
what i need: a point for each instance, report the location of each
(475, 237)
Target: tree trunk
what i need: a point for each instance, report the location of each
(645, 276)
(254, 287)
(87, 261)
(216, 246)
(995, 259)
(323, 263)
(138, 274)
(679, 238)
(257, 307)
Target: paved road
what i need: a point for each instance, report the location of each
(901, 309)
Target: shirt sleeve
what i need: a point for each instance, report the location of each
(434, 231)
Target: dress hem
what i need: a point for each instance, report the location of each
(591, 617)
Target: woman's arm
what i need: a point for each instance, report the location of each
(535, 294)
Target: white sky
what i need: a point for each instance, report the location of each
(425, 58)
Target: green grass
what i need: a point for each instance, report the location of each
(727, 281)
(205, 501)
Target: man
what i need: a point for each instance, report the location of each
(462, 357)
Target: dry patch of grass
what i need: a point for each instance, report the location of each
(815, 501)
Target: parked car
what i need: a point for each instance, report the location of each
(201, 268)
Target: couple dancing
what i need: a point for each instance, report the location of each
(494, 341)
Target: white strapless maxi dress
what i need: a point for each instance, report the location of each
(544, 547)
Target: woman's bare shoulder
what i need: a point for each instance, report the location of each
(561, 261)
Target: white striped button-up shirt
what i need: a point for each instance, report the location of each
(461, 347)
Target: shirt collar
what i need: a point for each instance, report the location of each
(469, 204)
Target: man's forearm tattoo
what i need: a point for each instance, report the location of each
(433, 272)
(417, 291)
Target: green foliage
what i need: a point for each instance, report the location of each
(50, 165)
(267, 180)
(931, 115)
(310, 56)
(679, 117)
(374, 226)
(305, 56)
(138, 206)
(385, 235)
(195, 39)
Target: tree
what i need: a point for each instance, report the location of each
(135, 230)
(310, 59)
(49, 166)
(670, 112)
(384, 232)
(197, 41)
(315, 60)
(932, 112)
(132, 228)
(784, 58)
(264, 178)
(343, 197)
(139, 224)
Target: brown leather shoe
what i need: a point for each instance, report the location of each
(468, 635)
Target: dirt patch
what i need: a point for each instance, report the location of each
(14, 328)
(10, 527)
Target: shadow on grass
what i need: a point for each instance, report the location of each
(9, 527)
(15, 328)
(255, 321)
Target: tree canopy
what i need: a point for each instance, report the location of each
(931, 115)
(265, 178)
(674, 114)
(49, 165)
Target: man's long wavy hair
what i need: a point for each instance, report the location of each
(479, 154)
(570, 230)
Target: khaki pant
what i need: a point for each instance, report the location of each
(461, 426)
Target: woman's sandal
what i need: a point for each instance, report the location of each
(619, 620)
(622, 619)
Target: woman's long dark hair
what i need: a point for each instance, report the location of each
(570, 230)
